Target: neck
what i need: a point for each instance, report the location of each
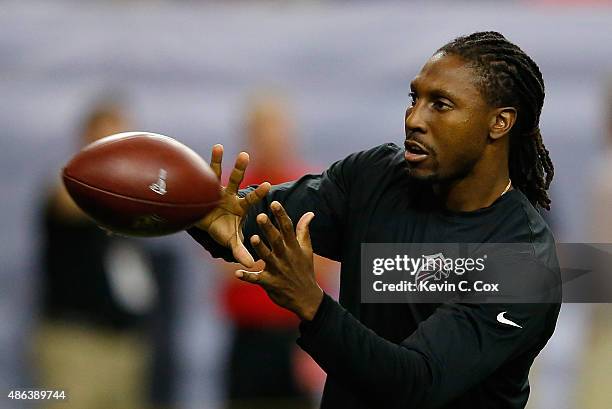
(475, 191)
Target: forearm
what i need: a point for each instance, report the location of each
(353, 354)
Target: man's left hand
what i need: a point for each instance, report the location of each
(288, 276)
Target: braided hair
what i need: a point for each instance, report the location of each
(509, 77)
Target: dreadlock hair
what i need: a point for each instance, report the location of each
(509, 77)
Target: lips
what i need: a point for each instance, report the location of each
(415, 152)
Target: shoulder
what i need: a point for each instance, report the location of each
(381, 155)
(536, 231)
(534, 221)
(523, 252)
(370, 162)
(518, 221)
(386, 150)
(365, 165)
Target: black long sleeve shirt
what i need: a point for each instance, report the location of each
(449, 355)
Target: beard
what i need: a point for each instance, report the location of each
(462, 168)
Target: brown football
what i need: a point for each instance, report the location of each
(141, 184)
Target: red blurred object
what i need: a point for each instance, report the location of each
(248, 305)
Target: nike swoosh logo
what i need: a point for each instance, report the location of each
(504, 320)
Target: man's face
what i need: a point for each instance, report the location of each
(447, 124)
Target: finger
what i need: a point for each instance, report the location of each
(240, 252)
(253, 277)
(285, 224)
(242, 255)
(242, 161)
(255, 196)
(263, 251)
(272, 234)
(216, 159)
(303, 231)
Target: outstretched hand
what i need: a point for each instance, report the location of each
(224, 223)
(288, 276)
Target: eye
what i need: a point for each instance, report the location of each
(441, 105)
(413, 98)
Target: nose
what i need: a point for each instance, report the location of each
(414, 121)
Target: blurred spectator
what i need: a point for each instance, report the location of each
(266, 369)
(98, 292)
(601, 186)
(597, 364)
(579, 356)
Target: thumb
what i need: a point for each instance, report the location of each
(302, 231)
(239, 251)
(241, 254)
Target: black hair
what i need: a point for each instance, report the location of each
(509, 77)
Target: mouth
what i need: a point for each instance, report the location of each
(415, 152)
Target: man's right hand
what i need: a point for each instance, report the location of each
(224, 223)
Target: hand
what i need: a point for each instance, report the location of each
(288, 276)
(65, 208)
(224, 223)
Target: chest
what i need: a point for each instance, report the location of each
(392, 217)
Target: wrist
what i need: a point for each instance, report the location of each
(312, 305)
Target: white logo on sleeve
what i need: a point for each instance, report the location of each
(504, 320)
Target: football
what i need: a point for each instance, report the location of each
(141, 184)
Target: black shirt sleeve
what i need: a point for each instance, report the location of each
(454, 349)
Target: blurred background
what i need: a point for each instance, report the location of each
(322, 79)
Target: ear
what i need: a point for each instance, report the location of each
(502, 121)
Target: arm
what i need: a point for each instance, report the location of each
(321, 194)
(456, 348)
(453, 350)
(63, 207)
(325, 194)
